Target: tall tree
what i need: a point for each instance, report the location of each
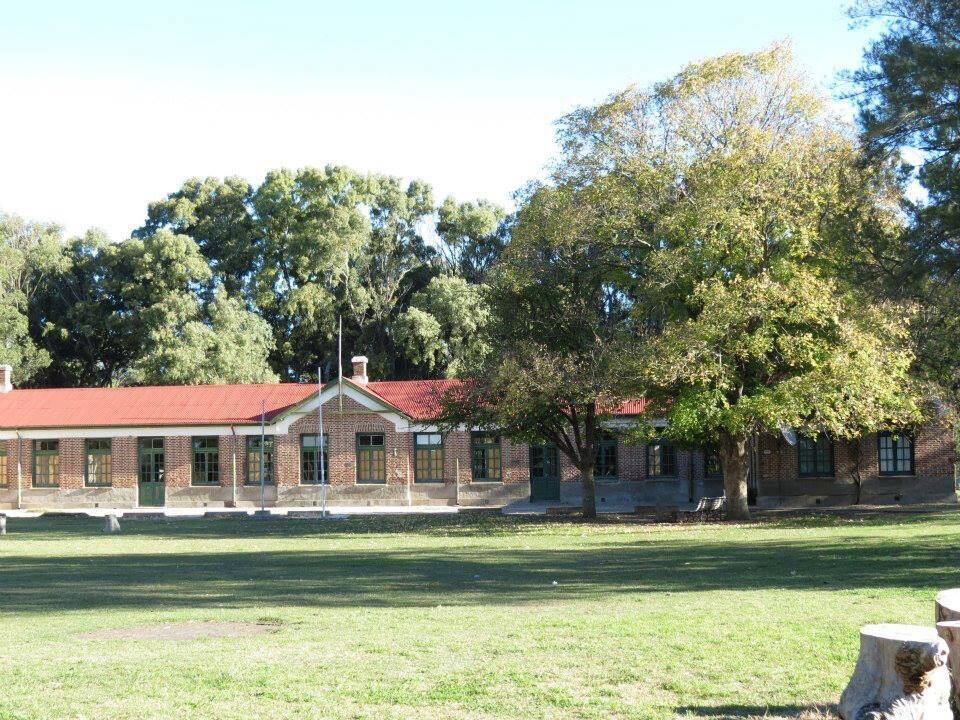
(559, 322)
(909, 97)
(29, 253)
(740, 180)
(472, 236)
(216, 214)
(444, 329)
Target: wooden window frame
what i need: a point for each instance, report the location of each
(325, 459)
(658, 453)
(486, 448)
(105, 454)
(709, 455)
(542, 449)
(53, 478)
(819, 470)
(895, 438)
(201, 476)
(253, 460)
(370, 450)
(435, 474)
(606, 444)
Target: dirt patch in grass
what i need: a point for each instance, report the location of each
(190, 630)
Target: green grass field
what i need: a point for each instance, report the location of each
(448, 617)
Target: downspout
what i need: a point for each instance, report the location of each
(19, 471)
(233, 431)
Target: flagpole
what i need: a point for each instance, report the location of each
(263, 450)
(318, 468)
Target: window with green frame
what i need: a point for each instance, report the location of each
(206, 461)
(605, 458)
(895, 451)
(485, 457)
(253, 460)
(46, 463)
(3, 464)
(99, 462)
(712, 466)
(310, 446)
(428, 457)
(815, 456)
(661, 459)
(371, 458)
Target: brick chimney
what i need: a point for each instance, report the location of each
(6, 378)
(359, 363)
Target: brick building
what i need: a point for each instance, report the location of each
(209, 446)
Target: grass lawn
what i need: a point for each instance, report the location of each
(447, 617)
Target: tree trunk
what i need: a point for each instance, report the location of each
(589, 492)
(950, 632)
(947, 604)
(735, 459)
(901, 674)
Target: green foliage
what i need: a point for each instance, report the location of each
(737, 195)
(559, 320)
(473, 235)
(908, 91)
(444, 328)
(190, 345)
(29, 253)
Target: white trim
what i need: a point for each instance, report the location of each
(139, 431)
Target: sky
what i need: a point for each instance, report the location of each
(106, 106)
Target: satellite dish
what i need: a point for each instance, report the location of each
(788, 433)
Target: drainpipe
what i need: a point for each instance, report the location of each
(233, 431)
(19, 471)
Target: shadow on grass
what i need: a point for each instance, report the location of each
(802, 712)
(403, 576)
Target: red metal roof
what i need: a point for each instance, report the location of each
(165, 405)
(420, 399)
(203, 404)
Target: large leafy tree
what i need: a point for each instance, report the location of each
(742, 187)
(472, 236)
(29, 254)
(560, 319)
(909, 97)
(445, 328)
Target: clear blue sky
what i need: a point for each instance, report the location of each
(109, 105)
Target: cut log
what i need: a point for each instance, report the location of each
(111, 524)
(950, 632)
(901, 673)
(948, 605)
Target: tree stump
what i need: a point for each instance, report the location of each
(901, 673)
(111, 524)
(948, 605)
(950, 632)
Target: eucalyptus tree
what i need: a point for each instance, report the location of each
(29, 253)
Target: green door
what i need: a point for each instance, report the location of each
(544, 474)
(151, 473)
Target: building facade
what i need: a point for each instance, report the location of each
(243, 445)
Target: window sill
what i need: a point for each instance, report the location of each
(484, 481)
(429, 482)
(897, 475)
(44, 487)
(371, 482)
(205, 485)
(94, 487)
